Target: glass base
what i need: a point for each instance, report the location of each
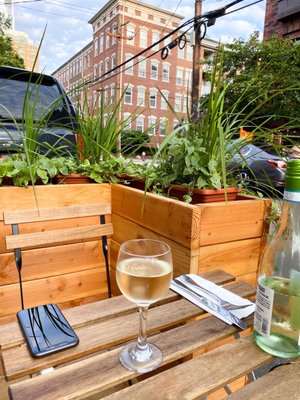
(140, 361)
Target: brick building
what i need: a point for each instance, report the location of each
(121, 30)
(282, 18)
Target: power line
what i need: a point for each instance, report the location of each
(79, 7)
(71, 7)
(20, 1)
(49, 12)
(198, 19)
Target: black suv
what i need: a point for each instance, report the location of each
(47, 96)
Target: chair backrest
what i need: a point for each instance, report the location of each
(19, 241)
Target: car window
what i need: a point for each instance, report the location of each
(13, 92)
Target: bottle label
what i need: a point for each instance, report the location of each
(291, 195)
(263, 310)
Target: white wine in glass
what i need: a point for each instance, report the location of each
(144, 274)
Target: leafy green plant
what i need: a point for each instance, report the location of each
(196, 154)
(15, 170)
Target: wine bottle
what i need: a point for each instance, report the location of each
(277, 313)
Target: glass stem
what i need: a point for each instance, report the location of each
(142, 350)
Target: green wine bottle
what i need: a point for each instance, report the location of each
(277, 313)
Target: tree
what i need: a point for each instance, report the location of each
(269, 71)
(8, 56)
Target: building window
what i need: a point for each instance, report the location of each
(106, 95)
(143, 38)
(153, 98)
(188, 77)
(89, 59)
(128, 95)
(112, 93)
(127, 120)
(113, 61)
(151, 125)
(129, 64)
(177, 105)
(162, 126)
(101, 45)
(189, 52)
(130, 32)
(180, 53)
(167, 41)
(155, 38)
(140, 123)
(100, 69)
(166, 72)
(154, 70)
(96, 47)
(106, 68)
(141, 96)
(164, 99)
(95, 71)
(179, 76)
(107, 40)
(114, 34)
(142, 68)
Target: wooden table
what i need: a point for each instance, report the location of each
(91, 370)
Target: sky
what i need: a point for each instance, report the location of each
(67, 29)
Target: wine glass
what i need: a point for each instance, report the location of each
(144, 273)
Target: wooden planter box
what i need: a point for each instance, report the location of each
(203, 237)
(69, 274)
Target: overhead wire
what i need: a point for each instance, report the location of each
(206, 16)
(52, 13)
(70, 7)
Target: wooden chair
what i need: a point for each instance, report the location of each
(48, 238)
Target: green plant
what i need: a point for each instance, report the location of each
(100, 127)
(196, 154)
(8, 55)
(109, 170)
(15, 170)
(273, 68)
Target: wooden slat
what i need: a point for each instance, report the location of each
(48, 196)
(201, 376)
(125, 229)
(100, 336)
(281, 383)
(236, 220)
(11, 335)
(104, 371)
(109, 333)
(54, 289)
(57, 260)
(58, 236)
(239, 257)
(56, 213)
(169, 218)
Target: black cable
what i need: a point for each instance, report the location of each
(205, 17)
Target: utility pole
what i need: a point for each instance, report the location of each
(196, 63)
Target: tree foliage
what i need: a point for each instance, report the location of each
(269, 71)
(8, 55)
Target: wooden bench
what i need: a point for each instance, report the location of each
(41, 236)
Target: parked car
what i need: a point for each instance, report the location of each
(258, 169)
(46, 95)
